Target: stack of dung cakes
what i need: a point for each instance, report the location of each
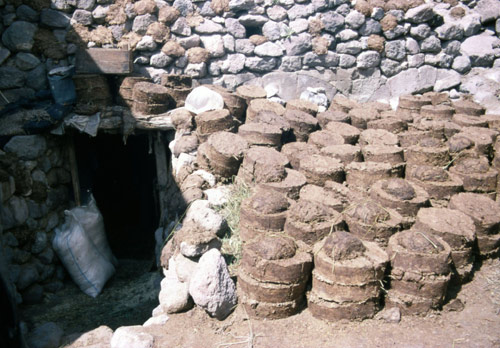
(436, 181)
(178, 86)
(456, 229)
(92, 94)
(263, 164)
(126, 90)
(485, 213)
(413, 103)
(370, 221)
(262, 213)
(420, 272)
(301, 123)
(222, 153)
(428, 151)
(209, 122)
(318, 169)
(309, 222)
(476, 175)
(402, 195)
(150, 99)
(346, 278)
(272, 277)
(236, 104)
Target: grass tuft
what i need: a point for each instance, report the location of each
(231, 242)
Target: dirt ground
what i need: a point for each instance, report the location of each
(477, 325)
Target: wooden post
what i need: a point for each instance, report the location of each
(74, 170)
(162, 175)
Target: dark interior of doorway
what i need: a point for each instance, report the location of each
(122, 178)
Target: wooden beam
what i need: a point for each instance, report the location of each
(74, 170)
(104, 61)
(162, 175)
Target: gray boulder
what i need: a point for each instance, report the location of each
(211, 286)
(181, 27)
(85, 4)
(244, 46)
(420, 14)
(395, 50)
(420, 31)
(26, 61)
(332, 21)
(370, 27)
(253, 20)
(430, 45)
(480, 49)
(241, 5)
(368, 59)
(54, 19)
(4, 54)
(276, 13)
(47, 335)
(268, 49)
(132, 337)
(258, 64)
(82, 17)
(160, 60)
(489, 10)
(234, 27)
(446, 79)
(233, 64)
(26, 13)
(209, 27)
(461, 64)
(450, 31)
(174, 295)
(354, 19)
(351, 47)
(298, 44)
(27, 147)
(214, 44)
(141, 23)
(19, 37)
(185, 7)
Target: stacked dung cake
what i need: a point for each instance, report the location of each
(346, 278)
(420, 271)
(455, 228)
(222, 153)
(126, 90)
(272, 277)
(92, 94)
(485, 213)
(261, 214)
(150, 99)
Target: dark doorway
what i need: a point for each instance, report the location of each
(122, 179)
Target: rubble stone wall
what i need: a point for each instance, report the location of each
(34, 181)
(369, 50)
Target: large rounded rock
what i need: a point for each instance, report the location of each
(211, 286)
(19, 36)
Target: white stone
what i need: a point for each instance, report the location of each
(200, 212)
(131, 337)
(184, 268)
(174, 296)
(158, 320)
(211, 286)
(354, 19)
(446, 79)
(217, 196)
(214, 44)
(208, 177)
(268, 49)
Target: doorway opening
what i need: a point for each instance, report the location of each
(122, 178)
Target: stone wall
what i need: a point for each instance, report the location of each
(370, 50)
(34, 181)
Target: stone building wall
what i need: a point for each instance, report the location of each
(370, 50)
(34, 191)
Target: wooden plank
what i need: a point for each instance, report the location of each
(74, 171)
(162, 175)
(104, 61)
